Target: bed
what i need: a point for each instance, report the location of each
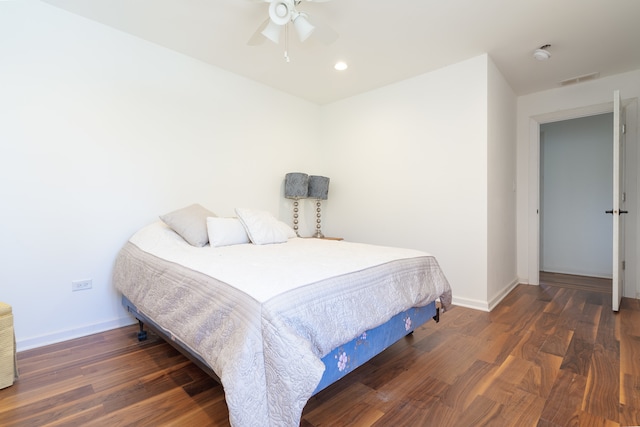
(276, 323)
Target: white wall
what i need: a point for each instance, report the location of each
(101, 132)
(576, 187)
(408, 164)
(501, 187)
(573, 101)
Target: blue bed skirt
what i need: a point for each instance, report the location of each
(344, 359)
(341, 360)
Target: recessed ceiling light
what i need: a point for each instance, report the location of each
(341, 66)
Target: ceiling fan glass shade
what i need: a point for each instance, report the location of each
(303, 26)
(272, 32)
(280, 11)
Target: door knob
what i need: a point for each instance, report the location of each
(619, 213)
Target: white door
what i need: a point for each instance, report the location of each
(618, 200)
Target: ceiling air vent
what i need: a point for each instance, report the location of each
(579, 79)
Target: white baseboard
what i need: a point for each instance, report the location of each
(83, 331)
(485, 305)
(496, 300)
(470, 303)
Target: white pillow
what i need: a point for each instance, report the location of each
(262, 227)
(226, 231)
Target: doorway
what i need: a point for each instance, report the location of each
(631, 180)
(575, 190)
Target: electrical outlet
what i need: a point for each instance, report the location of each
(81, 285)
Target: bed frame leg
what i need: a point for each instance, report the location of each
(142, 334)
(437, 316)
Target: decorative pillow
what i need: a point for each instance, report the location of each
(262, 227)
(190, 223)
(226, 231)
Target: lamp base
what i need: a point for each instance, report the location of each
(318, 234)
(295, 216)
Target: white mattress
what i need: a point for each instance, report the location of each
(264, 271)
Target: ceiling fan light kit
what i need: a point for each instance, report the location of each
(283, 12)
(272, 32)
(280, 11)
(303, 26)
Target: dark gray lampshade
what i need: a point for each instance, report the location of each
(296, 185)
(318, 187)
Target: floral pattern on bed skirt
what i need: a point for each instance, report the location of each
(348, 357)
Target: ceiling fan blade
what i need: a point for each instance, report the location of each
(258, 38)
(323, 32)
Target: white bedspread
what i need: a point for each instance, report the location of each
(262, 316)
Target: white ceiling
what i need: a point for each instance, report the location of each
(385, 41)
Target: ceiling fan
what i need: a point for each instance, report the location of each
(283, 12)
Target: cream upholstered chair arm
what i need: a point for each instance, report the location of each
(8, 360)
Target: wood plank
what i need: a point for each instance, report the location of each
(602, 392)
(627, 329)
(630, 400)
(338, 406)
(563, 407)
(558, 342)
(468, 385)
(541, 376)
(578, 357)
(523, 409)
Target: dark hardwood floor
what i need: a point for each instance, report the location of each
(546, 356)
(571, 281)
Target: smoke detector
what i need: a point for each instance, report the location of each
(542, 54)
